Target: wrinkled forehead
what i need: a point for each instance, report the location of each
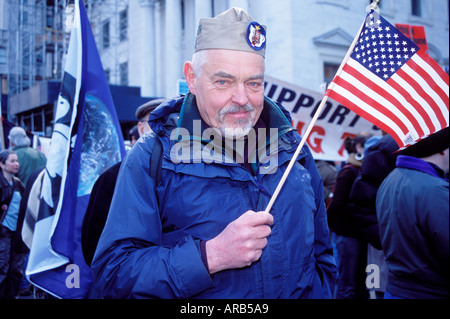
(218, 60)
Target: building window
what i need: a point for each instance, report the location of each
(329, 71)
(49, 16)
(108, 75)
(416, 8)
(123, 73)
(105, 33)
(2, 55)
(123, 25)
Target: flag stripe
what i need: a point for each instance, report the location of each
(432, 95)
(432, 84)
(424, 109)
(387, 103)
(434, 69)
(423, 98)
(374, 116)
(397, 96)
(419, 112)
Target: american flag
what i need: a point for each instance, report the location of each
(392, 83)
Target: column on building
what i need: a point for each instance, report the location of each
(173, 47)
(148, 48)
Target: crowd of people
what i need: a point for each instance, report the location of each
(19, 165)
(389, 208)
(177, 224)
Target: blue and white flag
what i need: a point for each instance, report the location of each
(86, 141)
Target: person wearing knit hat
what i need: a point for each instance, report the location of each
(200, 231)
(413, 213)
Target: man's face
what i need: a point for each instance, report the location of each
(229, 90)
(142, 125)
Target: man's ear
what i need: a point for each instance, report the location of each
(189, 75)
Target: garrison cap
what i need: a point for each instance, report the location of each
(233, 29)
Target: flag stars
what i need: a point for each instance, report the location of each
(382, 49)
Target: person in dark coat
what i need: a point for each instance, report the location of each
(413, 211)
(379, 161)
(351, 250)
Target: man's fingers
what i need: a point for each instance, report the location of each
(258, 218)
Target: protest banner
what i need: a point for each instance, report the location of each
(333, 126)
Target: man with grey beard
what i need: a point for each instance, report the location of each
(201, 230)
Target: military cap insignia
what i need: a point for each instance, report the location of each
(256, 36)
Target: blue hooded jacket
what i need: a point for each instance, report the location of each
(150, 246)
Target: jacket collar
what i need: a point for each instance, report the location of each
(418, 164)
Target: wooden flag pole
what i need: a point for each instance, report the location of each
(373, 6)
